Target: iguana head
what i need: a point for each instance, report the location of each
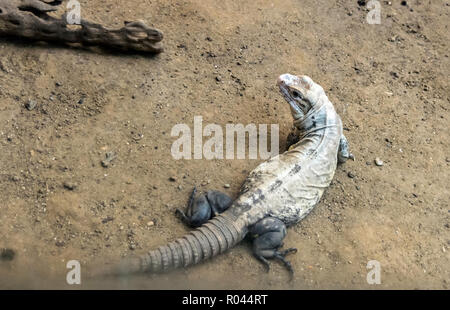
(301, 93)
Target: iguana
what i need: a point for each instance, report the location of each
(276, 194)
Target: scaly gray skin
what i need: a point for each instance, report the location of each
(278, 193)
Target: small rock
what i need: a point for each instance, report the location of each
(226, 185)
(58, 84)
(218, 78)
(172, 179)
(362, 2)
(107, 219)
(59, 243)
(350, 175)
(180, 187)
(110, 156)
(7, 254)
(3, 67)
(30, 105)
(404, 3)
(81, 101)
(378, 162)
(70, 186)
(132, 247)
(150, 223)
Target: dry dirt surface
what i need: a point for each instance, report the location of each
(389, 82)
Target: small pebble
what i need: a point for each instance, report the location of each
(226, 185)
(350, 175)
(7, 254)
(110, 156)
(30, 105)
(378, 162)
(70, 186)
(150, 223)
(107, 219)
(218, 79)
(172, 179)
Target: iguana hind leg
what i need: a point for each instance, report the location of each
(268, 236)
(344, 152)
(200, 209)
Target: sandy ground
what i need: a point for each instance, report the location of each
(389, 83)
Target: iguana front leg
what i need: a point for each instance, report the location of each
(293, 137)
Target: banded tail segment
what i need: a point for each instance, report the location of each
(216, 236)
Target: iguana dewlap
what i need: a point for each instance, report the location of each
(279, 192)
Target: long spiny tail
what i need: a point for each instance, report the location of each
(216, 236)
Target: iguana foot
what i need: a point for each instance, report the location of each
(344, 152)
(268, 236)
(200, 209)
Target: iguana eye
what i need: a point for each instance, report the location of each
(295, 94)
